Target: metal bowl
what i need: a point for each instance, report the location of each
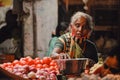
(72, 66)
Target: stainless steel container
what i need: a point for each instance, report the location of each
(72, 66)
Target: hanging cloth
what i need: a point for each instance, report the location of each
(75, 50)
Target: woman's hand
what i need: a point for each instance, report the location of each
(64, 56)
(54, 56)
(60, 56)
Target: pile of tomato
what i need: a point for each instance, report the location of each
(33, 69)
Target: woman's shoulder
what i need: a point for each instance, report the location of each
(89, 42)
(65, 36)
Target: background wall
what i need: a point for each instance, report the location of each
(46, 21)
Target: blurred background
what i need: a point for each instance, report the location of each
(37, 19)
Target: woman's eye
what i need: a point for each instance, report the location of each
(77, 25)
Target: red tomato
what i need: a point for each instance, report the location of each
(4, 65)
(37, 58)
(22, 59)
(41, 61)
(15, 62)
(31, 62)
(23, 62)
(52, 68)
(37, 62)
(45, 66)
(39, 66)
(53, 63)
(47, 60)
(28, 58)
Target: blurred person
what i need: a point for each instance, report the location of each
(98, 37)
(6, 32)
(10, 35)
(76, 43)
(109, 44)
(55, 34)
(111, 64)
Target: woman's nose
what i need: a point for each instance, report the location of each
(80, 28)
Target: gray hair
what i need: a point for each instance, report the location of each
(79, 14)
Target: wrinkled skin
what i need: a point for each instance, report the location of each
(80, 28)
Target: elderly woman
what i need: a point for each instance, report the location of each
(75, 43)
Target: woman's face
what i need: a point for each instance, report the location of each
(80, 28)
(110, 66)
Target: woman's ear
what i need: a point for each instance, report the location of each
(70, 27)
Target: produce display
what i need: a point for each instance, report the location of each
(49, 69)
(97, 77)
(33, 69)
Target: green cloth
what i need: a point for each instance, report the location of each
(51, 45)
(78, 51)
(75, 50)
(68, 45)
